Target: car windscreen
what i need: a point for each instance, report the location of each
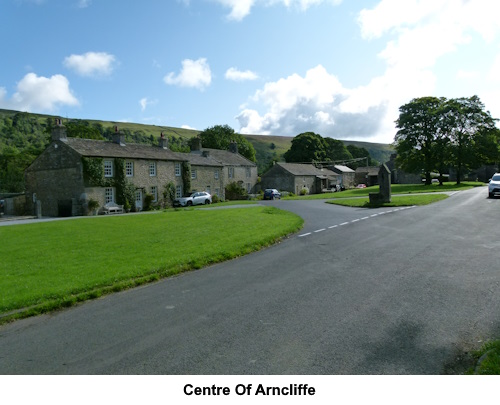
(496, 177)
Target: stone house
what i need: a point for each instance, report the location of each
(73, 171)
(367, 175)
(235, 167)
(346, 175)
(293, 177)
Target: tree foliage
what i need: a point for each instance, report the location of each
(436, 133)
(312, 147)
(221, 136)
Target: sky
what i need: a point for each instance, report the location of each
(339, 68)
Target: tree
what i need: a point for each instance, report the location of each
(418, 125)
(470, 129)
(306, 147)
(336, 150)
(361, 153)
(220, 137)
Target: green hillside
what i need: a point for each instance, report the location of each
(23, 136)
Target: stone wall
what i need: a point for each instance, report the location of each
(205, 180)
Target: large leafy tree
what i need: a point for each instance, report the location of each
(418, 124)
(472, 134)
(220, 136)
(306, 147)
(336, 150)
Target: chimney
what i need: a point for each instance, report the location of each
(118, 138)
(163, 141)
(59, 131)
(196, 144)
(233, 147)
(205, 153)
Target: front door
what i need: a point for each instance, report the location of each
(138, 200)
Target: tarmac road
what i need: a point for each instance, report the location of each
(356, 291)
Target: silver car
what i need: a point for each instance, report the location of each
(200, 197)
(494, 185)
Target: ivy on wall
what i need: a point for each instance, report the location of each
(93, 174)
(186, 177)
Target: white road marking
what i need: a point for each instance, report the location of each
(356, 220)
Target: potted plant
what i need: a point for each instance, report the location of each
(92, 206)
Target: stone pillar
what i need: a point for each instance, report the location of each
(38, 208)
(384, 181)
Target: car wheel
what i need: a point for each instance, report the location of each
(490, 195)
(207, 201)
(189, 203)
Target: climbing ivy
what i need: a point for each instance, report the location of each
(186, 177)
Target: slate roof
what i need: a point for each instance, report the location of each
(226, 157)
(199, 160)
(301, 169)
(370, 170)
(343, 169)
(95, 148)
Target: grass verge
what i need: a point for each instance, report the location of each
(487, 359)
(51, 265)
(396, 201)
(395, 189)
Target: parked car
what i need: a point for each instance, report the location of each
(494, 186)
(271, 194)
(200, 197)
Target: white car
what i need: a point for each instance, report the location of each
(200, 197)
(494, 185)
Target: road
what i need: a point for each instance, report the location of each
(356, 291)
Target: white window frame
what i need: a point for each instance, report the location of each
(154, 193)
(152, 169)
(249, 172)
(108, 168)
(230, 172)
(177, 169)
(217, 192)
(216, 174)
(178, 191)
(129, 169)
(109, 195)
(193, 174)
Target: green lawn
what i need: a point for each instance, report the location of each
(49, 265)
(395, 189)
(396, 201)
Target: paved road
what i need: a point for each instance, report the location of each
(355, 292)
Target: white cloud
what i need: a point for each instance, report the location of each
(91, 63)
(187, 127)
(239, 76)
(194, 73)
(36, 93)
(242, 8)
(145, 102)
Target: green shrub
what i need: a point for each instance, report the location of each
(304, 191)
(215, 199)
(235, 191)
(148, 200)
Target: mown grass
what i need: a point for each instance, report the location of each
(396, 201)
(395, 189)
(50, 265)
(488, 359)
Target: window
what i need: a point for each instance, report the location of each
(109, 195)
(152, 168)
(178, 192)
(177, 169)
(249, 188)
(230, 172)
(249, 172)
(193, 174)
(216, 175)
(154, 193)
(108, 168)
(217, 192)
(129, 169)
(208, 190)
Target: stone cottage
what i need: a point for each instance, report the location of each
(345, 173)
(235, 167)
(72, 171)
(294, 177)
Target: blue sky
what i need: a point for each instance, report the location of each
(340, 68)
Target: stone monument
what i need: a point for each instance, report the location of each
(384, 181)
